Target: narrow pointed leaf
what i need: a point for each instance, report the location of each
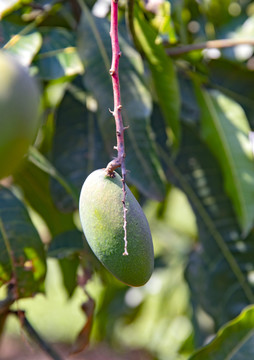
(163, 73)
(226, 131)
(22, 256)
(219, 270)
(95, 50)
(234, 341)
(35, 184)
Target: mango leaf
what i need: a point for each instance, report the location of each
(44, 164)
(66, 244)
(162, 71)
(25, 47)
(220, 268)
(95, 49)
(78, 148)
(35, 184)
(69, 270)
(66, 247)
(235, 80)
(58, 56)
(226, 130)
(22, 256)
(8, 6)
(233, 341)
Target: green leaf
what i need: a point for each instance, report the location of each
(225, 129)
(220, 268)
(69, 269)
(234, 341)
(235, 80)
(66, 244)
(35, 184)
(22, 256)
(162, 71)
(25, 47)
(68, 247)
(95, 49)
(8, 6)
(58, 56)
(77, 130)
(44, 164)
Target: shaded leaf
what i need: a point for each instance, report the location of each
(66, 244)
(58, 56)
(35, 185)
(77, 149)
(163, 73)
(218, 271)
(225, 129)
(95, 48)
(69, 268)
(44, 164)
(233, 341)
(22, 256)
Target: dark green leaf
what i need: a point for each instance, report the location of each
(35, 186)
(78, 148)
(22, 256)
(218, 271)
(233, 342)
(69, 268)
(44, 164)
(66, 244)
(95, 49)
(58, 56)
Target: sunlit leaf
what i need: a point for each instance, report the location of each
(22, 256)
(226, 131)
(163, 73)
(25, 47)
(233, 341)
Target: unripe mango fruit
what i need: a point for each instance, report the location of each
(19, 112)
(101, 215)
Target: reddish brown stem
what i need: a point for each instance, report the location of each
(119, 161)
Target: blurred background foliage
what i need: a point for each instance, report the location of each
(189, 105)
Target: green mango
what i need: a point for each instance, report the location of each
(101, 215)
(19, 112)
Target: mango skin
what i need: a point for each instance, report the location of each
(101, 215)
(19, 112)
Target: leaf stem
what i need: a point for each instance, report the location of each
(119, 161)
(212, 44)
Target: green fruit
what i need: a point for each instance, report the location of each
(19, 112)
(101, 214)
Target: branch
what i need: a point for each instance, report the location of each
(35, 336)
(217, 44)
(119, 161)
